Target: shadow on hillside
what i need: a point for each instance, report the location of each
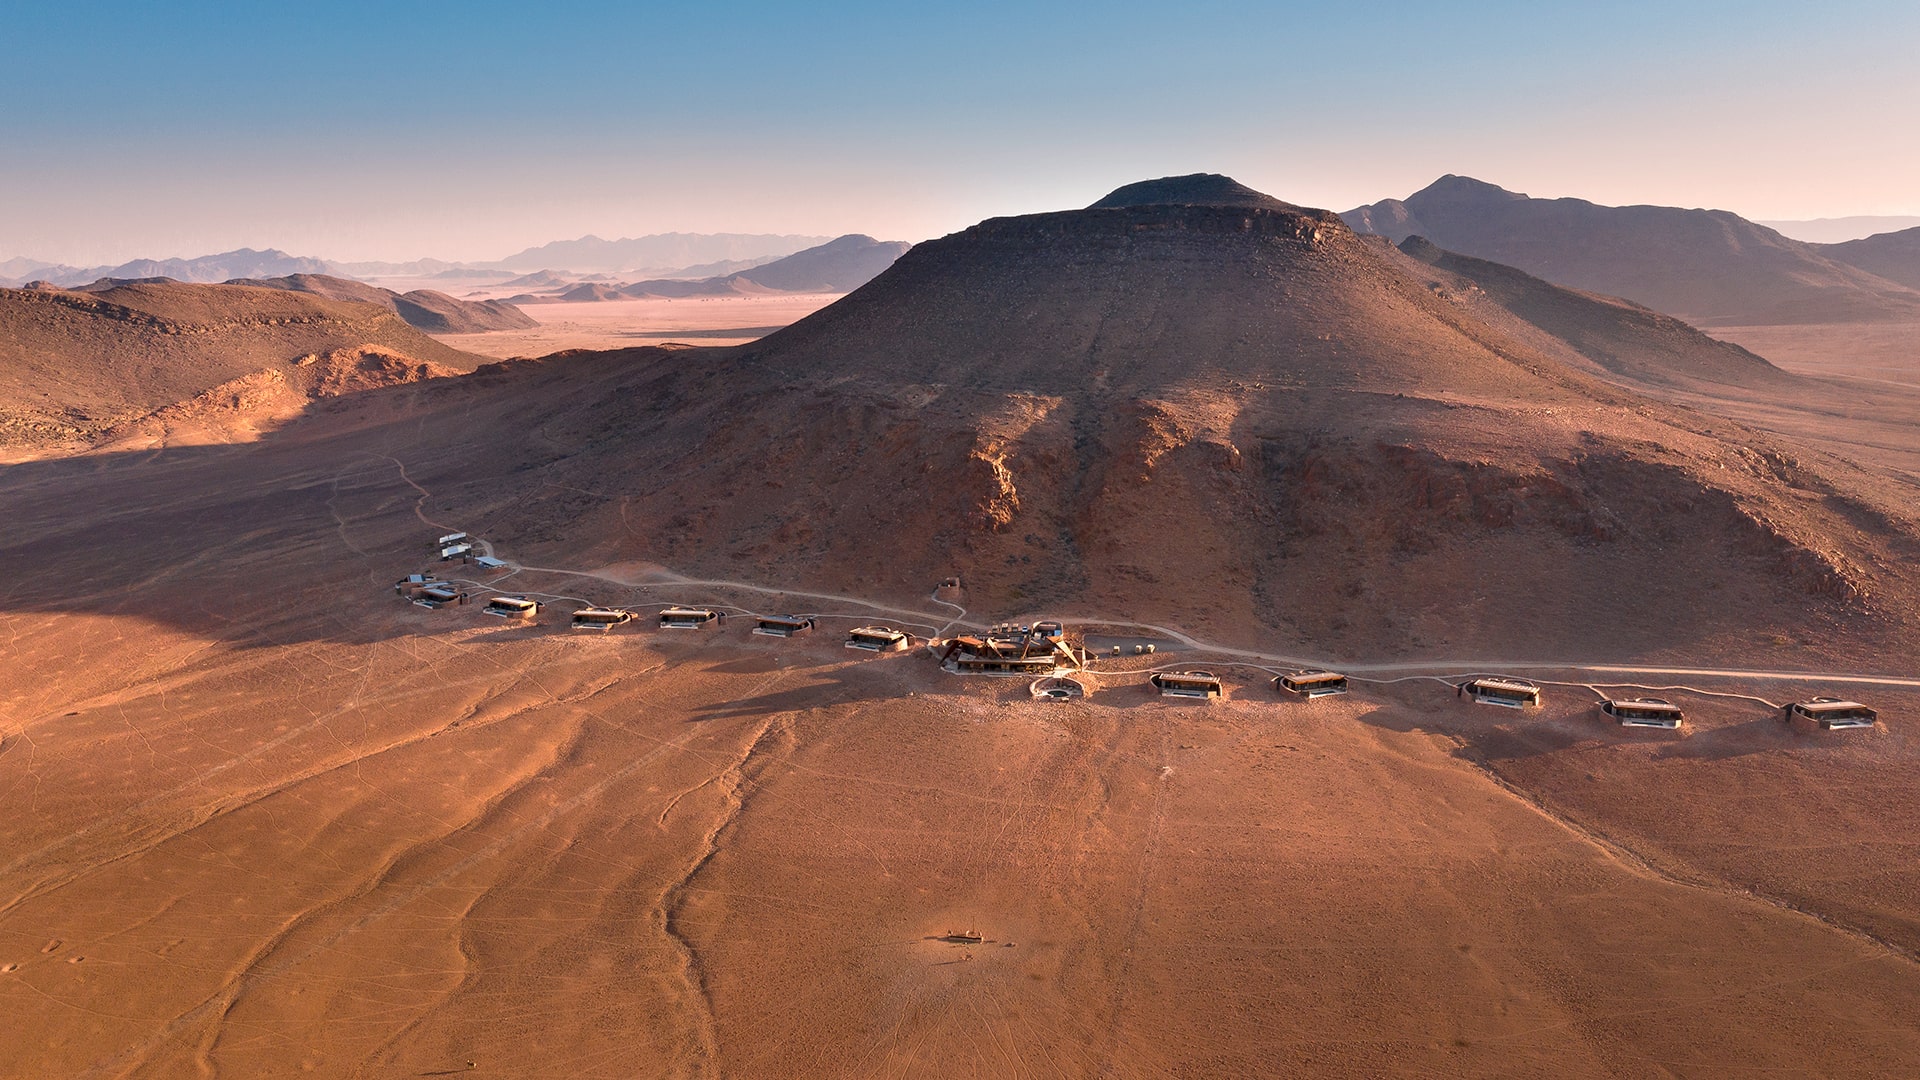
(1395, 717)
(1483, 735)
(300, 534)
(1761, 735)
(1505, 744)
(831, 690)
(1135, 693)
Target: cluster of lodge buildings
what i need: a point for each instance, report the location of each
(685, 618)
(512, 607)
(783, 625)
(1202, 685)
(1500, 690)
(1188, 684)
(1041, 649)
(1829, 713)
(670, 618)
(428, 591)
(1825, 713)
(1644, 712)
(460, 546)
(1044, 652)
(879, 639)
(1311, 683)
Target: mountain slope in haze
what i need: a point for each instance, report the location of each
(243, 263)
(680, 254)
(582, 293)
(416, 268)
(423, 309)
(438, 313)
(591, 253)
(1243, 420)
(76, 367)
(205, 269)
(19, 271)
(722, 267)
(1706, 266)
(1893, 255)
(1621, 339)
(539, 279)
(840, 265)
(1839, 230)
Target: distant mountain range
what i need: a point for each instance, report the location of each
(651, 253)
(665, 255)
(207, 269)
(1711, 267)
(837, 266)
(1838, 230)
(1707, 266)
(1894, 256)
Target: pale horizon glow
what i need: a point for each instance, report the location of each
(469, 132)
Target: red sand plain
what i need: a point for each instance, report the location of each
(1872, 352)
(314, 830)
(622, 324)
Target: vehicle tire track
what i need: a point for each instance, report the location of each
(1689, 878)
(774, 738)
(270, 967)
(1136, 917)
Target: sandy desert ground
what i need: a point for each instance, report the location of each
(620, 324)
(1887, 352)
(314, 830)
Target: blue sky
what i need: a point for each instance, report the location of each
(471, 130)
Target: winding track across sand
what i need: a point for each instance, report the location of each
(1411, 668)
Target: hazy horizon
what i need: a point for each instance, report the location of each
(470, 133)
